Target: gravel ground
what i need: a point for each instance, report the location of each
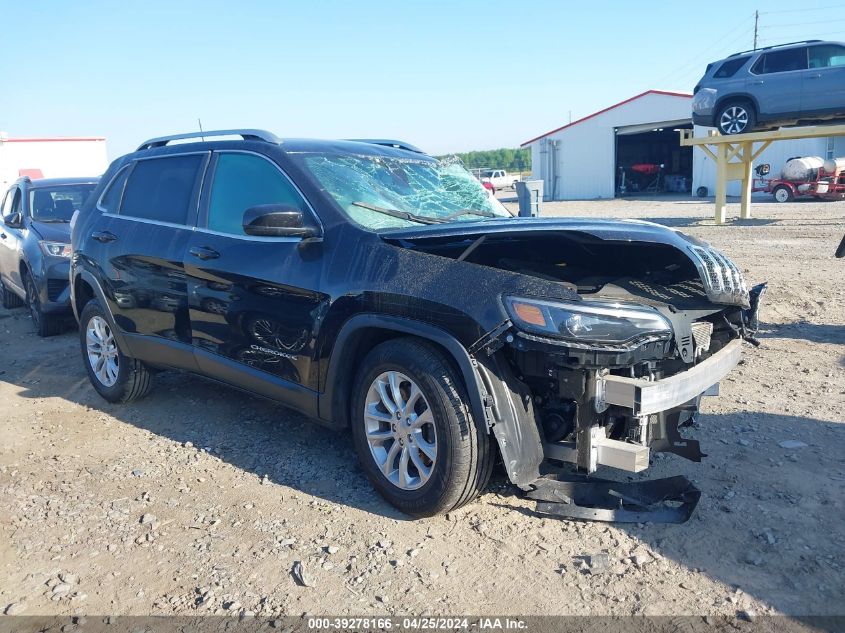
(201, 499)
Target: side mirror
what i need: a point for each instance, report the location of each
(763, 169)
(276, 220)
(14, 220)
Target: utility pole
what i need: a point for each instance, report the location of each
(199, 122)
(756, 20)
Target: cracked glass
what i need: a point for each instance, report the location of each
(374, 191)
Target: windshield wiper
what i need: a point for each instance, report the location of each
(51, 220)
(478, 212)
(396, 213)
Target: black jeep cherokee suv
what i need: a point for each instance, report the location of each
(371, 286)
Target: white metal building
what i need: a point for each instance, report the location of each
(598, 155)
(57, 157)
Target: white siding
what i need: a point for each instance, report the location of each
(585, 153)
(55, 158)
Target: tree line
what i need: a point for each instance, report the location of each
(515, 160)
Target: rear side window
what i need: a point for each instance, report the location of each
(161, 189)
(827, 55)
(110, 201)
(242, 181)
(729, 68)
(781, 61)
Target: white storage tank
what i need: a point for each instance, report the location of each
(805, 168)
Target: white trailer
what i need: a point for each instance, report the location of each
(56, 157)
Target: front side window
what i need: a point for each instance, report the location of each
(242, 181)
(58, 204)
(7, 202)
(827, 55)
(781, 61)
(381, 192)
(162, 189)
(729, 68)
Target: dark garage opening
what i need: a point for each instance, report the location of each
(651, 161)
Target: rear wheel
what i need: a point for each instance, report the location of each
(782, 193)
(735, 117)
(115, 376)
(45, 324)
(413, 431)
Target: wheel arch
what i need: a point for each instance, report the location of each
(737, 96)
(363, 332)
(86, 287)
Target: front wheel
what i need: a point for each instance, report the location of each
(413, 430)
(782, 193)
(45, 324)
(116, 376)
(736, 117)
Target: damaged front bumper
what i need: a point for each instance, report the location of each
(647, 397)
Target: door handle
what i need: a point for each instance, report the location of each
(103, 236)
(203, 252)
(816, 76)
(758, 82)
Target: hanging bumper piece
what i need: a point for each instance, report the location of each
(669, 500)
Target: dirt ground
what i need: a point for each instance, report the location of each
(200, 499)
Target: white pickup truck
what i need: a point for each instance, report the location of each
(499, 178)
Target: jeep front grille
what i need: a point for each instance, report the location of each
(722, 280)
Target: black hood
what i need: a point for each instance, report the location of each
(52, 231)
(614, 230)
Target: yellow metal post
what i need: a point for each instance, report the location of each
(747, 180)
(721, 182)
(734, 157)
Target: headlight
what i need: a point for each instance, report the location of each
(55, 249)
(588, 322)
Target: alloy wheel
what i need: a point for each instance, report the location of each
(734, 120)
(102, 351)
(400, 430)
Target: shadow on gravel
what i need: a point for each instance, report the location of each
(769, 521)
(812, 332)
(246, 431)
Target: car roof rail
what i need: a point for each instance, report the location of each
(386, 142)
(245, 134)
(765, 48)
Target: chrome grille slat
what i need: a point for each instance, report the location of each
(722, 280)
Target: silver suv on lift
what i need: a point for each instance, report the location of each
(800, 82)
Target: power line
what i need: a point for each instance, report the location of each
(794, 24)
(804, 10)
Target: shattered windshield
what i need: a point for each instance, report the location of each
(381, 192)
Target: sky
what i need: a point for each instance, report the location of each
(447, 76)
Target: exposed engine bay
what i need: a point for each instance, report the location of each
(604, 395)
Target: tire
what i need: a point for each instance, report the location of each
(736, 117)
(462, 449)
(782, 193)
(701, 192)
(45, 324)
(9, 299)
(131, 378)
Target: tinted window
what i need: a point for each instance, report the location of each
(161, 189)
(729, 68)
(110, 201)
(242, 181)
(827, 56)
(782, 61)
(7, 203)
(58, 204)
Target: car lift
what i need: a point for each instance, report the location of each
(734, 156)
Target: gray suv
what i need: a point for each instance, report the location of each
(777, 85)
